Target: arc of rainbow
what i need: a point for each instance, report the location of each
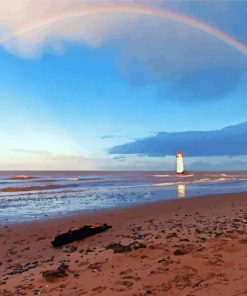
(133, 9)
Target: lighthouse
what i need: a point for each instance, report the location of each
(180, 163)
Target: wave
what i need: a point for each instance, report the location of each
(34, 188)
(224, 179)
(166, 184)
(90, 179)
(208, 180)
(82, 179)
(23, 177)
(48, 180)
(161, 176)
(203, 180)
(185, 175)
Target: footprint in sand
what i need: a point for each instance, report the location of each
(159, 270)
(131, 277)
(99, 289)
(96, 266)
(125, 272)
(121, 286)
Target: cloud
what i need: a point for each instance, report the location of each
(43, 160)
(33, 152)
(120, 157)
(181, 59)
(229, 141)
(105, 137)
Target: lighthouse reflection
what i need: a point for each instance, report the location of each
(181, 190)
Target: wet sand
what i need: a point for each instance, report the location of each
(191, 247)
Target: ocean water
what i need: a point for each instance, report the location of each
(28, 196)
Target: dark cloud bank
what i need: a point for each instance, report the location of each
(229, 141)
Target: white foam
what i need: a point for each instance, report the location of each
(185, 176)
(165, 184)
(203, 180)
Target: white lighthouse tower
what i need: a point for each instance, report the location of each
(180, 163)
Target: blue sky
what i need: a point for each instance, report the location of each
(70, 94)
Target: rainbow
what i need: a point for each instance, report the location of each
(132, 9)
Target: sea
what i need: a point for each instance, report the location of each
(35, 195)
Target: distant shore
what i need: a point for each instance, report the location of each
(194, 246)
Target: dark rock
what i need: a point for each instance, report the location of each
(179, 252)
(218, 234)
(48, 260)
(200, 249)
(171, 235)
(2, 283)
(119, 248)
(53, 275)
(70, 249)
(198, 231)
(22, 268)
(138, 237)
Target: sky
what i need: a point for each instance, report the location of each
(84, 83)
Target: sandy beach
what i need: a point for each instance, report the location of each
(194, 246)
(123, 156)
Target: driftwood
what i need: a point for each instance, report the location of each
(79, 234)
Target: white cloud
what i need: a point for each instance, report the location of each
(150, 48)
(29, 26)
(28, 159)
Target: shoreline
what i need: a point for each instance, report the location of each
(113, 210)
(201, 227)
(109, 191)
